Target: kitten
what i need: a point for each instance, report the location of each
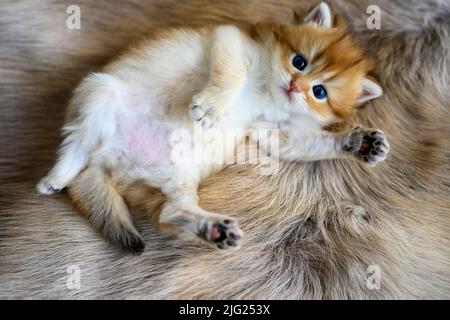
(120, 122)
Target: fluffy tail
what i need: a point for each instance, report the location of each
(94, 193)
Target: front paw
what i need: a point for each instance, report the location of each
(203, 111)
(368, 145)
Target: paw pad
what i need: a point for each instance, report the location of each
(224, 234)
(369, 145)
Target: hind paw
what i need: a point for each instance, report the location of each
(47, 186)
(223, 233)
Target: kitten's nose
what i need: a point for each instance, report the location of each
(293, 86)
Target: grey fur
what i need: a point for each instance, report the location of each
(311, 231)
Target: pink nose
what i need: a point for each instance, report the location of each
(293, 87)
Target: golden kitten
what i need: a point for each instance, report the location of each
(125, 123)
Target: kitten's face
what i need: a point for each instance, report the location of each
(320, 70)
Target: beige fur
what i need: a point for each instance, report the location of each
(123, 122)
(312, 230)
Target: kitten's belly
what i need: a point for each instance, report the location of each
(144, 140)
(158, 86)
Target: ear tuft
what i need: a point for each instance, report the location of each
(320, 15)
(370, 90)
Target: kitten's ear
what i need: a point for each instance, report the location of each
(320, 15)
(370, 90)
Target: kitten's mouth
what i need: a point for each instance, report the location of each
(293, 88)
(287, 93)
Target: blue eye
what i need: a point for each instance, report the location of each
(299, 62)
(319, 92)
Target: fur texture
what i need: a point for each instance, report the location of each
(122, 123)
(312, 230)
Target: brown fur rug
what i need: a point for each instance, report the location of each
(312, 230)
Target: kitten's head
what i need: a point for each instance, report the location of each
(319, 68)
